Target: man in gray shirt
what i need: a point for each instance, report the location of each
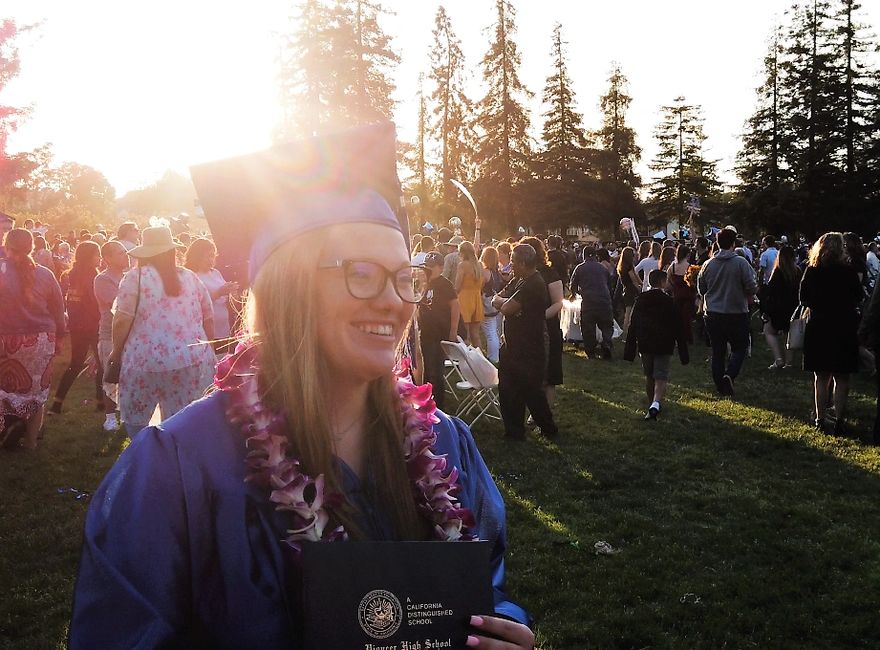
(726, 282)
(106, 286)
(590, 280)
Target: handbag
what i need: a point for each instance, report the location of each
(797, 327)
(111, 372)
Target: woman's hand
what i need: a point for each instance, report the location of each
(511, 635)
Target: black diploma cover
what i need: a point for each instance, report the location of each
(394, 595)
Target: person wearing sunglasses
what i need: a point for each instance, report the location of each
(194, 537)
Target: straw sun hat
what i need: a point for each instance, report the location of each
(155, 241)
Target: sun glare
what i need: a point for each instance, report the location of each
(176, 84)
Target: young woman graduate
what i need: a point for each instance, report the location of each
(311, 436)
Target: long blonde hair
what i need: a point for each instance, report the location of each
(489, 258)
(828, 250)
(283, 318)
(19, 247)
(468, 259)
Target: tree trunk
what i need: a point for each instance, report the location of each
(680, 166)
(505, 100)
(850, 130)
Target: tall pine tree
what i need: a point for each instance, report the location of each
(618, 155)
(860, 95)
(680, 165)
(806, 163)
(504, 151)
(305, 78)
(615, 137)
(412, 162)
(759, 161)
(360, 41)
(812, 100)
(559, 191)
(451, 117)
(335, 68)
(421, 163)
(764, 198)
(869, 155)
(563, 155)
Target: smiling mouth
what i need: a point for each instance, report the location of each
(376, 329)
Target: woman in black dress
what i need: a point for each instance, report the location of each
(629, 282)
(832, 290)
(684, 296)
(779, 299)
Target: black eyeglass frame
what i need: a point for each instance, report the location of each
(389, 275)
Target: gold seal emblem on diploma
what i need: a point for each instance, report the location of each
(380, 614)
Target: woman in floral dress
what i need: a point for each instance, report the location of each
(31, 325)
(161, 328)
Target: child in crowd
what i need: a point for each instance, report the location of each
(655, 328)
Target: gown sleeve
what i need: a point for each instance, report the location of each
(133, 588)
(480, 493)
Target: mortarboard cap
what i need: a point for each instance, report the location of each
(6, 218)
(255, 203)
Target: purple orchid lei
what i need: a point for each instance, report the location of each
(270, 465)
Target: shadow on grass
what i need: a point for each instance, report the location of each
(731, 533)
(41, 521)
(737, 525)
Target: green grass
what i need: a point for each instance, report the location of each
(737, 525)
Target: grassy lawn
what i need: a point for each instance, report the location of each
(737, 525)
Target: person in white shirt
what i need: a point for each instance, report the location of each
(200, 258)
(425, 246)
(645, 266)
(873, 262)
(768, 258)
(106, 286)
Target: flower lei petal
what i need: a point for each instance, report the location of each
(271, 466)
(433, 490)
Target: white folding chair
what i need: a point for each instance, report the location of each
(456, 380)
(451, 376)
(479, 380)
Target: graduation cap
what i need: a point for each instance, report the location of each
(6, 218)
(255, 203)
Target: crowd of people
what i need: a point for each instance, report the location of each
(139, 301)
(313, 429)
(660, 295)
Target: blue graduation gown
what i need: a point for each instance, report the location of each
(179, 551)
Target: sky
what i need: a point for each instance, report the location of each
(135, 88)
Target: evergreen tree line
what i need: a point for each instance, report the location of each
(808, 159)
(811, 149)
(808, 162)
(336, 66)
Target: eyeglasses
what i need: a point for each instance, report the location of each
(367, 280)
